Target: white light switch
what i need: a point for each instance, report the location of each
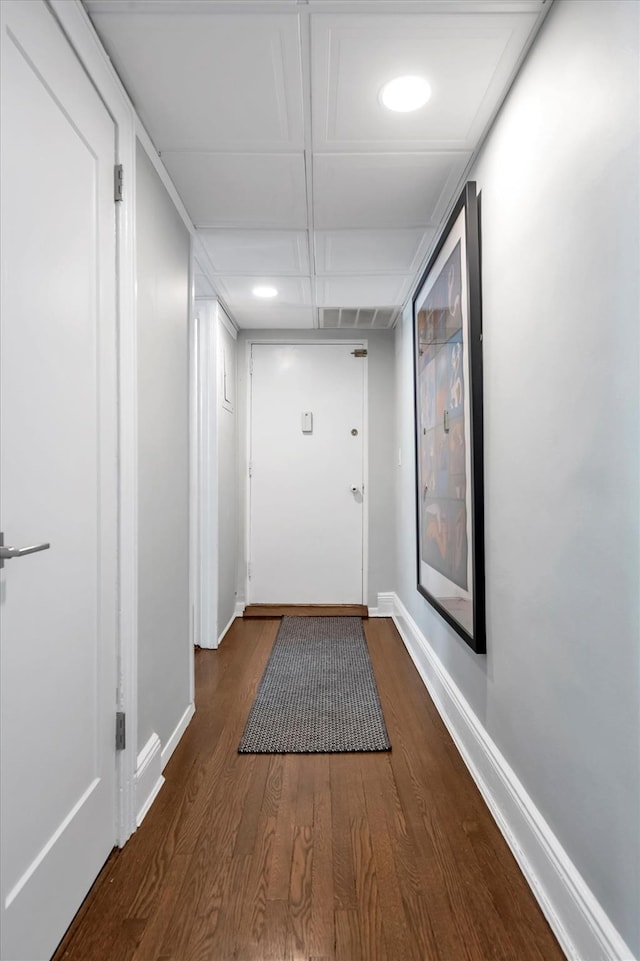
(307, 422)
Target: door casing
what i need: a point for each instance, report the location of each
(293, 341)
(76, 25)
(81, 34)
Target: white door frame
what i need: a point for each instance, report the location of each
(195, 500)
(315, 342)
(210, 315)
(206, 491)
(79, 30)
(81, 35)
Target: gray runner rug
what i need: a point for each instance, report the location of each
(318, 693)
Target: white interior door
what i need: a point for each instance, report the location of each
(306, 484)
(58, 483)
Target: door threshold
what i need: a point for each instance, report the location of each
(305, 610)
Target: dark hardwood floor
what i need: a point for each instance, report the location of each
(358, 857)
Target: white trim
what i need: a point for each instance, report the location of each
(579, 922)
(79, 30)
(150, 149)
(195, 524)
(229, 625)
(243, 469)
(194, 501)
(181, 727)
(240, 608)
(149, 777)
(226, 321)
(212, 322)
(365, 475)
(385, 605)
(207, 477)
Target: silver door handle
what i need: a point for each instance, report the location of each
(6, 553)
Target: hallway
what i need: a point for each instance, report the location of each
(316, 857)
(236, 181)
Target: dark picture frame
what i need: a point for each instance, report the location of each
(447, 337)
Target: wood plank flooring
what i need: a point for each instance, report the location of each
(342, 857)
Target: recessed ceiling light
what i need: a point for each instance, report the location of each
(405, 93)
(265, 292)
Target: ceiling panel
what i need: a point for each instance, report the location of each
(373, 290)
(292, 291)
(371, 251)
(240, 190)
(466, 60)
(334, 6)
(210, 81)
(257, 251)
(384, 190)
(258, 317)
(267, 118)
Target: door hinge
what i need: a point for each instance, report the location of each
(121, 741)
(118, 183)
(250, 470)
(360, 352)
(249, 571)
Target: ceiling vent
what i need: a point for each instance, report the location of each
(381, 318)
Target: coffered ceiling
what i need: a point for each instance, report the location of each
(267, 116)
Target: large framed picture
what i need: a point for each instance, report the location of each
(447, 320)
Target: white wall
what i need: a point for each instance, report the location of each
(163, 253)
(380, 449)
(558, 690)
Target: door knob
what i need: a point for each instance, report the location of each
(6, 553)
(354, 489)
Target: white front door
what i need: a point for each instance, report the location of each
(58, 483)
(306, 485)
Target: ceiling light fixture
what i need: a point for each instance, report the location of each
(265, 292)
(405, 94)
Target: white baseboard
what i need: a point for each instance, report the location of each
(181, 727)
(152, 761)
(385, 606)
(149, 777)
(240, 606)
(579, 922)
(231, 620)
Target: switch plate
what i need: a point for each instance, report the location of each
(307, 422)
